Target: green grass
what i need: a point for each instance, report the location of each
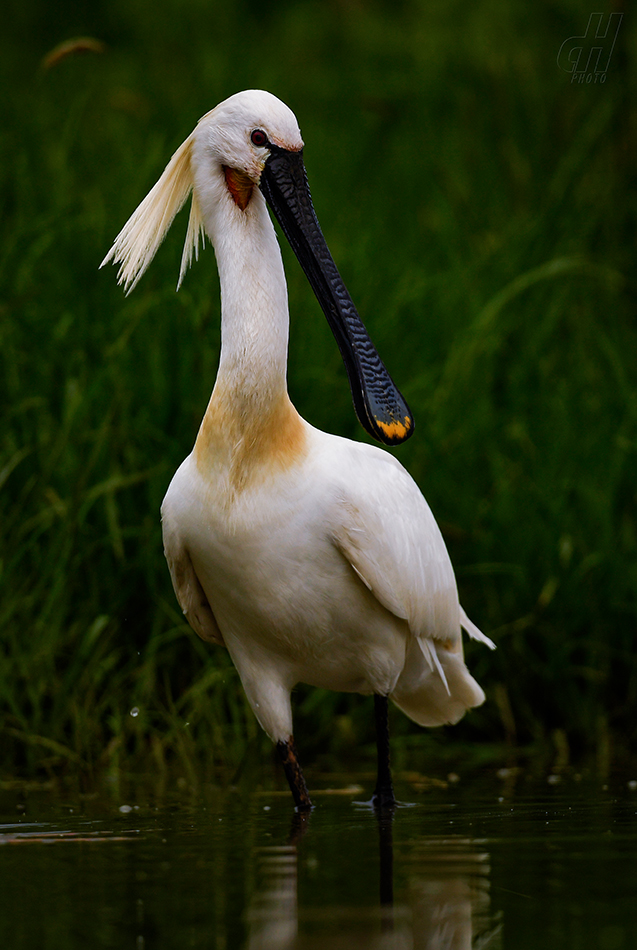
(482, 211)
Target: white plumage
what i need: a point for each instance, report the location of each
(312, 558)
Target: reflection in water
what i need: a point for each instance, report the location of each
(273, 913)
(557, 866)
(449, 896)
(446, 905)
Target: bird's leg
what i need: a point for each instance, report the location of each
(383, 796)
(293, 773)
(384, 802)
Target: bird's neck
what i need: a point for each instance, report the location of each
(249, 413)
(254, 304)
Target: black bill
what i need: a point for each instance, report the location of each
(380, 407)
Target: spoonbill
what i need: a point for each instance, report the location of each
(311, 558)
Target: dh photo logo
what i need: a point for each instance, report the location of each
(587, 57)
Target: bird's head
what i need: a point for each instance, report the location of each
(240, 135)
(252, 141)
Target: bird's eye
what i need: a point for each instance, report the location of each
(259, 138)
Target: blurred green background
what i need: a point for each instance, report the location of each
(481, 207)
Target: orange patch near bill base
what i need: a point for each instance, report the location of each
(239, 185)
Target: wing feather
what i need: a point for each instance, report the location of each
(387, 532)
(390, 537)
(190, 594)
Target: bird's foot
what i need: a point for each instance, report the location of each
(383, 798)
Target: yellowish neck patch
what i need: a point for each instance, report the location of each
(250, 448)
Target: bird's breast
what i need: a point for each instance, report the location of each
(277, 584)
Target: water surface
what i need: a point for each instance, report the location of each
(493, 863)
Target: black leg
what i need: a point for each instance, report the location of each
(383, 796)
(294, 775)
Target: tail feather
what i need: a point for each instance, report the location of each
(432, 698)
(473, 631)
(429, 652)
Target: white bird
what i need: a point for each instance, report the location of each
(311, 558)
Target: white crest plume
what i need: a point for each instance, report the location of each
(138, 241)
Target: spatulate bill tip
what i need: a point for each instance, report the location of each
(394, 431)
(389, 419)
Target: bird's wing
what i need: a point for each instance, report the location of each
(388, 534)
(386, 530)
(190, 594)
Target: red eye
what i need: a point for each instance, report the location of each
(259, 138)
